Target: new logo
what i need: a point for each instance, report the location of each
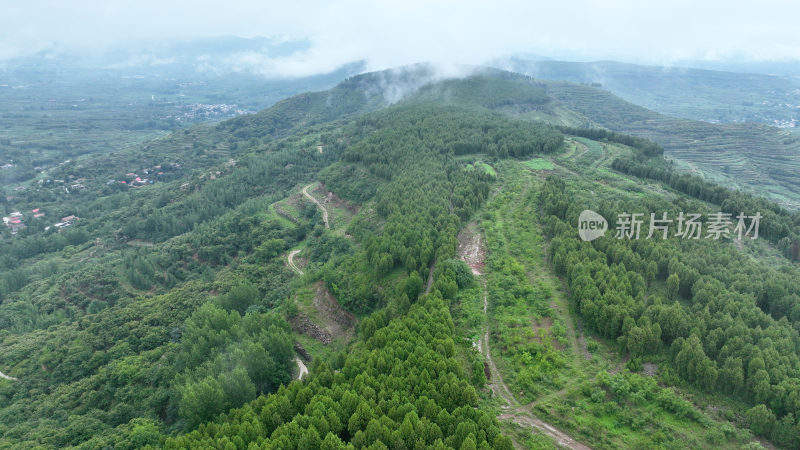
(591, 225)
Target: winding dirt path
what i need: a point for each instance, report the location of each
(520, 414)
(291, 261)
(498, 386)
(2, 375)
(303, 370)
(561, 439)
(430, 279)
(585, 149)
(513, 411)
(324, 211)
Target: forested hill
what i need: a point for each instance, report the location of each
(485, 88)
(755, 157)
(164, 305)
(409, 238)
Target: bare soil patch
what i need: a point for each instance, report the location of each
(336, 201)
(471, 249)
(650, 369)
(337, 321)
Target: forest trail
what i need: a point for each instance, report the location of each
(430, 278)
(291, 261)
(2, 375)
(559, 437)
(582, 341)
(519, 414)
(601, 160)
(324, 211)
(497, 385)
(303, 370)
(584, 147)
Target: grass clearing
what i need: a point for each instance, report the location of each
(562, 373)
(487, 168)
(539, 164)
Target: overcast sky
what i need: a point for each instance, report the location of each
(392, 33)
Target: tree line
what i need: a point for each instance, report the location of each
(729, 324)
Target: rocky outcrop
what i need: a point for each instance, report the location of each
(281, 212)
(303, 325)
(300, 350)
(330, 308)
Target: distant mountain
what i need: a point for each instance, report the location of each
(778, 68)
(163, 56)
(699, 94)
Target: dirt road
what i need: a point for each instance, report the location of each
(561, 439)
(520, 414)
(291, 261)
(324, 211)
(303, 371)
(430, 279)
(2, 375)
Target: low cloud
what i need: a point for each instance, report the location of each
(142, 61)
(398, 83)
(296, 65)
(387, 34)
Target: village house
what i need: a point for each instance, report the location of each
(14, 222)
(66, 222)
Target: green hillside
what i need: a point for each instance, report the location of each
(753, 157)
(395, 263)
(756, 158)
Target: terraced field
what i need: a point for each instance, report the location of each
(758, 158)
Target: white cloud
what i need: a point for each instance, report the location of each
(388, 33)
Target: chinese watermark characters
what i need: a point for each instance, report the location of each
(660, 226)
